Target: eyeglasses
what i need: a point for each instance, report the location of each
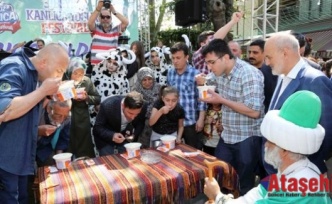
(211, 62)
(105, 17)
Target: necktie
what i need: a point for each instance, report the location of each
(55, 138)
(275, 96)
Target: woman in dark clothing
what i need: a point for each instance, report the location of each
(80, 143)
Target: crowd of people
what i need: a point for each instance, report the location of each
(269, 114)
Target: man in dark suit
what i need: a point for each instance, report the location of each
(120, 119)
(283, 56)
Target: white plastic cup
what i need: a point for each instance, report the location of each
(66, 91)
(203, 91)
(133, 149)
(168, 141)
(79, 92)
(62, 160)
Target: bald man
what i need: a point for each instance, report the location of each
(283, 56)
(25, 79)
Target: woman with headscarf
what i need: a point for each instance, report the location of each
(80, 143)
(149, 88)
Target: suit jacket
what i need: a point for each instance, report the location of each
(108, 122)
(270, 82)
(314, 80)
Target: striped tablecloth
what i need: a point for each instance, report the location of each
(114, 179)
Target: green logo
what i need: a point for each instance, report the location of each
(5, 87)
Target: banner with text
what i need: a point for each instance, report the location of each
(57, 20)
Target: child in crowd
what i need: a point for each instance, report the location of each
(167, 115)
(212, 128)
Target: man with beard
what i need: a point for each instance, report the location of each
(53, 131)
(104, 34)
(292, 133)
(283, 56)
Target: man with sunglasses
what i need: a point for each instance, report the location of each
(104, 33)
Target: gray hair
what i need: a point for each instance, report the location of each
(67, 103)
(286, 40)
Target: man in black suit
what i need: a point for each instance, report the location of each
(120, 120)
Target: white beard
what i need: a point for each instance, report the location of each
(272, 157)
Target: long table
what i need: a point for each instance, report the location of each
(115, 179)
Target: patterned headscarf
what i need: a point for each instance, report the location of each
(149, 95)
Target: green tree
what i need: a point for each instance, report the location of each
(155, 22)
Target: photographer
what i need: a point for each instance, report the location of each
(105, 35)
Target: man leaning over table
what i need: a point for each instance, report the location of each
(292, 133)
(120, 120)
(53, 131)
(25, 79)
(241, 94)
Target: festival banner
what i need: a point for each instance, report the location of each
(57, 20)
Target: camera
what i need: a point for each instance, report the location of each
(107, 4)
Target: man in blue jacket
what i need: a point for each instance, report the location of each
(283, 56)
(25, 80)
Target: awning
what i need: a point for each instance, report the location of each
(321, 43)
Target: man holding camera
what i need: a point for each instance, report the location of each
(105, 35)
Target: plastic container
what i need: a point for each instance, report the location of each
(203, 91)
(133, 149)
(168, 141)
(66, 91)
(150, 157)
(62, 160)
(79, 92)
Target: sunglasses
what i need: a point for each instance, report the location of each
(105, 17)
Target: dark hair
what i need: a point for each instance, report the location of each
(140, 52)
(307, 50)
(300, 38)
(180, 46)
(203, 36)
(42, 41)
(219, 47)
(133, 100)
(164, 90)
(258, 42)
(328, 66)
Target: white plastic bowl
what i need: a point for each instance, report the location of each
(133, 149)
(62, 160)
(66, 91)
(168, 141)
